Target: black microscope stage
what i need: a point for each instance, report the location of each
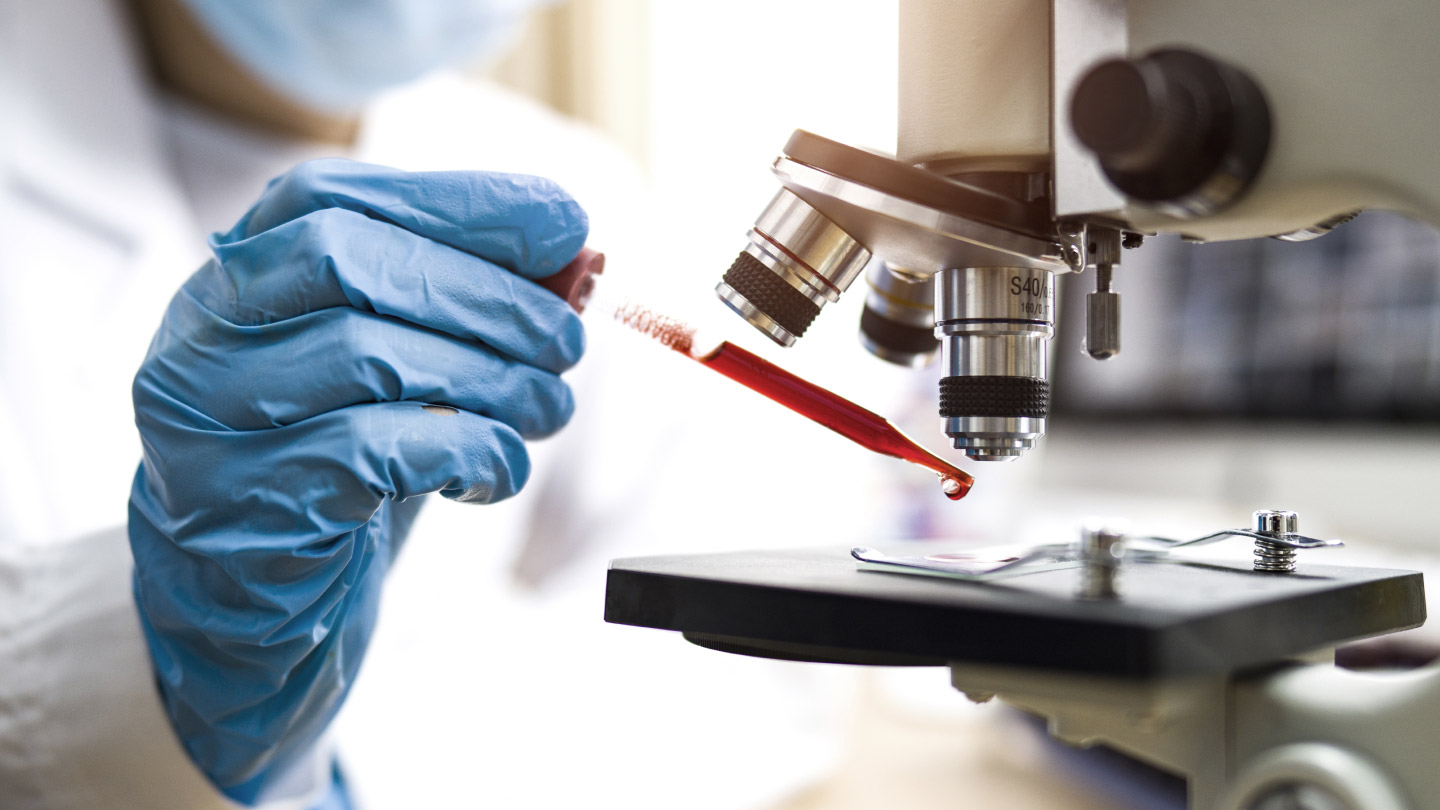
(1171, 620)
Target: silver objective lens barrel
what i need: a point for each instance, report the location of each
(994, 324)
(797, 261)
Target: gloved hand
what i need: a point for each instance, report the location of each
(363, 336)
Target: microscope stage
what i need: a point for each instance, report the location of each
(1172, 619)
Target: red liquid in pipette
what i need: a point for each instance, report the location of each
(863, 427)
(855, 423)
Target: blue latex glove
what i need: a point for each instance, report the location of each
(288, 408)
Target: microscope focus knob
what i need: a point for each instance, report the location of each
(1175, 129)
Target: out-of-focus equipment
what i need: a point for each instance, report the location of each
(1037, 139)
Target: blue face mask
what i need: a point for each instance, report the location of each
(334, 55)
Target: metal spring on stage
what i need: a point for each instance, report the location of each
(1273, 557)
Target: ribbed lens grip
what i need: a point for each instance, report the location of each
(994, 396)
(771, 295)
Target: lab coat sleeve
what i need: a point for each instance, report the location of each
(81, 722)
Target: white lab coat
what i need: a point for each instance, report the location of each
(94, 233)
(105, 194)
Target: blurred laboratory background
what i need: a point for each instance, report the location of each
(1301, 376)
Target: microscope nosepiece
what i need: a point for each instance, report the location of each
(994, 324)
(797, 261)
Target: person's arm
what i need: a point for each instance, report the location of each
(363, 336)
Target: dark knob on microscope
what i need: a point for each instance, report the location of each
(1174, 129)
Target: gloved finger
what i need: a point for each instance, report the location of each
(302, 367)
(314, 480)
(337, 258)
(527, 225)
(413, 450)
(405, 449)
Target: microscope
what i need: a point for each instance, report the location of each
(1040, 139)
